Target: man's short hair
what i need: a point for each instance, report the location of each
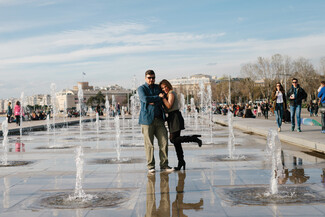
(295, 79)
(322, 82)
(149, 72)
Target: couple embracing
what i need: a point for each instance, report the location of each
(157, 100)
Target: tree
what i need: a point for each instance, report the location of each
(98, 99)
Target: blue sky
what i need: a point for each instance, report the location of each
(54, 41)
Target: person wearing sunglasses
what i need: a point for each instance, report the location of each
(295, 95)
(152, 120)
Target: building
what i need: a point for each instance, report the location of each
(69, 98)
(190, 86)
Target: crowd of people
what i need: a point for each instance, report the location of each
(249, 110)
(15, 115)
(285, 106)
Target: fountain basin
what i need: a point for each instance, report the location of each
(116, 161)
(219, 158)
(16, 163)
(99, 199)
(261, 196)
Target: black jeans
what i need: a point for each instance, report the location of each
(9, 118)
(17, 119)
(266, 114)
(177, 145)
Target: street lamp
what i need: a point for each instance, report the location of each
(285, 80)
(229, 94)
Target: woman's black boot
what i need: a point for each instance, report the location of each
(197, 140)
(181, 163)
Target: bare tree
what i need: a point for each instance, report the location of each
(308, 78)
(276, 66)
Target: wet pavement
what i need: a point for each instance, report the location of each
(201, 190)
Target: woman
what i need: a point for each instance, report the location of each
(175, 122)
(17, 111)
(259, 110)
(279, 103)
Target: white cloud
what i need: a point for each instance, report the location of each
(115, 52)
(240, 19)
(101, 40)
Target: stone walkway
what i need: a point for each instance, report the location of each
(310, 137)
(198, 191)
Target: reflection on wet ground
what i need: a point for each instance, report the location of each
(165, 207)
(210, 186)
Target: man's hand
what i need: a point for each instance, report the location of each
(152, 103)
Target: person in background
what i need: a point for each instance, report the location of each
(17, 112)
(279, 103)
(295, 95)
(266, 108)
(310, 108)
(255, 109)
(248, 112)
(316, 107)
(259, 110)
(321, 96)
(9, 112)
(34, 116)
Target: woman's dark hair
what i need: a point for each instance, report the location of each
(165, 82)
(17, 103)
(281, 87)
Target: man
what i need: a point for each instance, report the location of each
(321, 96)
(152, 122)
(295, 95)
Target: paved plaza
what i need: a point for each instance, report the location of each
(130, 191)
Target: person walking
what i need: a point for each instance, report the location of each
(152, 120)
(295, 95)
(279, 103)
(266, 109)
(17, 112)
(259, 110)
(321, 96)
(310, 108)
(175, 122)
(9, 112)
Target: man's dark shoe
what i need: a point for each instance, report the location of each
(168, 169)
